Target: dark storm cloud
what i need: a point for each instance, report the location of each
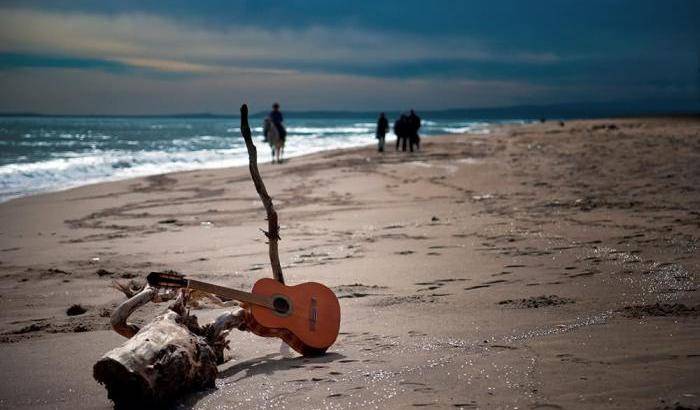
(553, 25)
(559, 50)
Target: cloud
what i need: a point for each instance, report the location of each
(22, 60)
(169, 45)
(170, 66)
(156, 61)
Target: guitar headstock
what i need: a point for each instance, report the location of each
(166, 280)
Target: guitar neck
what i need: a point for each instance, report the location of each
(234, 294)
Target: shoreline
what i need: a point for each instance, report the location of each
(234, 160)
(108, 181)
(489, 129)
(244, 162)
(537, 266)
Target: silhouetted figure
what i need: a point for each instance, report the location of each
(413, 127)
(382, 128)
(401, 130)
(274, 132)
(276, 117)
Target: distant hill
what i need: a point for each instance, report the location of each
(566, 111)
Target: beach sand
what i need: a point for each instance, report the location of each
(540, 266)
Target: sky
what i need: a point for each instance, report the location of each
(148, 57)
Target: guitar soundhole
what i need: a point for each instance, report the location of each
(281, 305)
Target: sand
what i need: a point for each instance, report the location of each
(541, 266)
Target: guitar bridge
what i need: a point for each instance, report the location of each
(313, 314)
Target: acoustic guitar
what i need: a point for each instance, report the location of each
(305, 316)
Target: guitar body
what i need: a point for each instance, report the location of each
(305, 316)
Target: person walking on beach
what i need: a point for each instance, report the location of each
(382, 128)
(400, 129)
(413, 127)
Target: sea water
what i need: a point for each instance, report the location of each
(41, 154)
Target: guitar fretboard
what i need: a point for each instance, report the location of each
(234, 294)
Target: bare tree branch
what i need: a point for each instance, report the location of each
(273, 229)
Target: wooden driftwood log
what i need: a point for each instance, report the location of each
(167, 357)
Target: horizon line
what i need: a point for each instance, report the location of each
(595, 109)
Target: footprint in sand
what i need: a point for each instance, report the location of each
(661, 310)
(396, 226)
(437, 284)
(491, 282)
(419, 298)
(505, 272)
(470, 405)
(357, 290)
(586, 273)
(535, 302)
(477, 287)
(487, 284)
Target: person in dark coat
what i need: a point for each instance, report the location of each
(401, 130)
(414, 124)
(382, 128)
(276, 117)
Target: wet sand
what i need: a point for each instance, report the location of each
(541, 266)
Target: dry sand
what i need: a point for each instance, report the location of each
(542, 266)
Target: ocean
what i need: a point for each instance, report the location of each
(42, 154)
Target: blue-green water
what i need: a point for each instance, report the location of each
(39, 154)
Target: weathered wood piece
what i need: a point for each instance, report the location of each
(123, 311)
(273, 229)
(169, 356)
(160, 362)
